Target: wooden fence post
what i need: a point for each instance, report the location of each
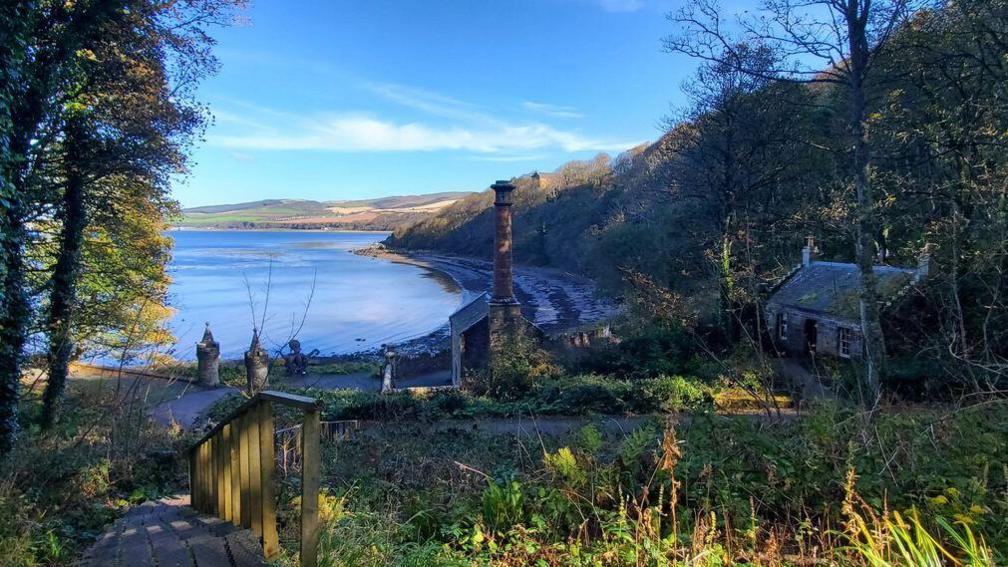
(311, 469)
(236, 489)
(243, 464)
(226, 472)
(255, 473)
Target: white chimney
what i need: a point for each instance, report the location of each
(923, 264)
(808, 252)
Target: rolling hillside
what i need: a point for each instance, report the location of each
(384, 213)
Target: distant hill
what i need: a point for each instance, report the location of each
(382, 213)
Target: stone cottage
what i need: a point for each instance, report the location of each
(816, 308)
(486, 324)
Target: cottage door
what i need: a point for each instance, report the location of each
(811, 335)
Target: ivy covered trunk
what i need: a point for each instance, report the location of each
(64, 279)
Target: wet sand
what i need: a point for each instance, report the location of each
(555, 300)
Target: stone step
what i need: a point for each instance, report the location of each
(168, 533)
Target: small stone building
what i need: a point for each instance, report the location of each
(816, 308)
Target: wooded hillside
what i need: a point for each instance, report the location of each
(765, 154)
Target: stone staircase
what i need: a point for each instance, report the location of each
(168, 533)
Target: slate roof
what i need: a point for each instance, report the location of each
(834, 288)
(470, 313)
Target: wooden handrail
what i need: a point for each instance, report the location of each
(231, 471)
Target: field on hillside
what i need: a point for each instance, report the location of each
(386, 213)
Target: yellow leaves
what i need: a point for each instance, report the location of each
(86, 54)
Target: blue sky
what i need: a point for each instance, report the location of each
(335, 99)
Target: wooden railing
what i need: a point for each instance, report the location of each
(288, 441)
(231, 471)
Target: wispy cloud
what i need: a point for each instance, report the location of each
(432, 103)
(554, 110)
(506, 159)
(449, 124)
(364, 133)
(621, 5)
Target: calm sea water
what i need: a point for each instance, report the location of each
(358, 302)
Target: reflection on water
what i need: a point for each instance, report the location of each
(358, 302)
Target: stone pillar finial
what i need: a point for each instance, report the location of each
(208, 360)
(256, 365)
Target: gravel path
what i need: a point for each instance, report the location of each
(187, 408)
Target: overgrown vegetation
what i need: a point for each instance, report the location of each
(835, 487)
(61, 487)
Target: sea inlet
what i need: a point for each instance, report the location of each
(304, 284)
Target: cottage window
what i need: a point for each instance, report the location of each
(782, 326)
(844, 342)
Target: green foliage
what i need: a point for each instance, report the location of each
(578, 395)
(722, 491)
(59, 489)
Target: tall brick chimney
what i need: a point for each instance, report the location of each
(503, 284)
(505, 318)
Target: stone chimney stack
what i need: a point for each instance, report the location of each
(503, 286)
(808, 252)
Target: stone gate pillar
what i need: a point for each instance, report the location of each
(208, 360)
(388, 370)
(256, 365)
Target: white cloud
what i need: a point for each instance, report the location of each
(446, 124)
(555, 110)
(363, 133)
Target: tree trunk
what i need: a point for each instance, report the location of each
(14, 314)
(64, 279)
(871, 326)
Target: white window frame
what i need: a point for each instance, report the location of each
(782, 325)
(845, 336)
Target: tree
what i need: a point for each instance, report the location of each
(835, 42)
(131, 115)
(737, 151)
(42, 38)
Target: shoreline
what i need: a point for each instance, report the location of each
(555, 300)
(260, 229)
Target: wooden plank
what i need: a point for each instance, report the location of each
(201, 474)
(301, 402)
(243, 463)
(222, 457)
(226, 472)
(255, 473)
(267, 462)
(212, 476)
(236, 493)
(312, 470)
